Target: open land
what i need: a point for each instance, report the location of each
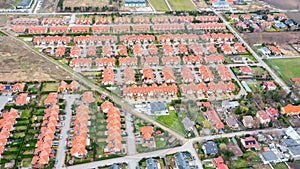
(159, 5)
(291, 4)
(182, 5)
(271, 37)
(8, 4)
(286, 72)
(87, 3)
(19, 64)
(295, 16)
(48, 6)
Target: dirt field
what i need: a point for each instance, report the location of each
(8, 4)
(288, 50)
(257, 5)
(295, 16)
(271, 37)
(87, 3)
(290, 4)
(200, 4)
(48, 6)
(19, 64)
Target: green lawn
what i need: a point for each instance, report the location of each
(160, 142)
(280, 166)
(159, 5)
(172, 120)
(50, 87)
(182, 5)
(286, 68)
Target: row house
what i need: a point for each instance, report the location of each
(100, 28)
(218, 58)
(129, 76)
(246, 70)
(171, 60)
(81, 63)
(141, 20)
(137, 50)
(281, 16)
(168, 74)
(183, 49)
(207, 18)
(107, 50)
(211, 48)
(187, 74)
(59, 40)
(22, 99)
(60, 51)
(75, 52)
(121, 28)
(127, 61)
(141, 28)
(196, 49)
(105, 62)
(193, 88)
(275, 50)
(266, 25)
(95, 39)
(148, 76)
(160, 19)
(25, 21)
(206, 26)
(103, 20)
(80, 137)
(192, 59)
(152, 90)
(64, 86)
(177, 37)
(168, 27)
(226, 49)
(59, 29)
(37, 29)
(114, 132)
(218, 37)
(17, 87)
(108, 76)
(168, 49)
(137, 38)
(42, 151)
(150, 60)
(220, 87)
(51, 99)
(180, 19)
(224, 72)
(6, 125)
(239, 47)
(91, 51)
(234, 17)
(80, 29)
(152, 49)
(54, 21)
(246, 17)
(84, 21)
(206, 73)
(122, 20)
(18, 29)
(122, 50)
(88, 97)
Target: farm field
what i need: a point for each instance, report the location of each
(19, 64)
(182, 5)
(159, 5)
(286, 68)
(291, 4)
(271, 37)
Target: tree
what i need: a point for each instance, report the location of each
(206, 124)
(270, 124)
(227, 154)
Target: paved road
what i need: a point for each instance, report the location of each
(131, 147)
(3, 100)
(259, 59)
(60, 156)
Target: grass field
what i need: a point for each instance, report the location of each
(159, 5)
(182, 5)
(280, 166)
(173, 121)
(286, 68)
(50, 87)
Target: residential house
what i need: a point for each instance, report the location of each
(108, 76)
(269, 85)
(65, 87)
(51, 99)
(210, 148)
(232, 123)
(215, 121)
(248, 121)
(272, 112)
(181, 161)
(290, 110)
(219, 163)
(188, 124)
(22, 99)
(88, 97)
(152, 163)
(246, 70)
(263, 117)
(148, 138)
(233, 147)
(250, 142)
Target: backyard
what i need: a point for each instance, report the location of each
(159, 5)
(172, 120)
(286, 68)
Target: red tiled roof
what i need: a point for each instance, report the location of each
(214, 119)
(88, 97)
(51, 99)
(104, 61)
(21, 99)
(108, 76)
